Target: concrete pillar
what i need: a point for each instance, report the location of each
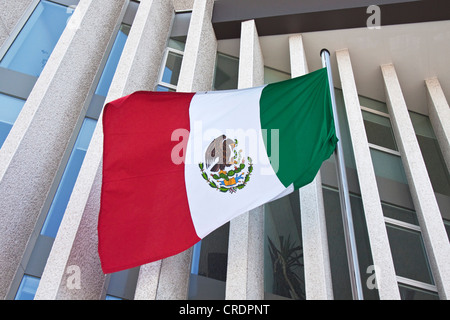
(197, 69)
(30, 156)
(439, 112)
(318, 284)
(299, 65)
(430, 219)
(196, 74)
(245, 272)
(76, 241)
(378, 238)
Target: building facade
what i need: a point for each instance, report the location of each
(62, 60)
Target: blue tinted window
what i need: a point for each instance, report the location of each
(65, 188)
(34, 44)
(10, 108)
(68, 179)
(164, 89)
(27, 288)
(172, 68)
(113, 61)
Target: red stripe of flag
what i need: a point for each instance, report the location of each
(141, 184)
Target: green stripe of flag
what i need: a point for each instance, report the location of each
(301, 110)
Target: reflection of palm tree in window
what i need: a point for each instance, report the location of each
(287, 263)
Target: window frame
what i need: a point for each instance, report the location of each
(163, 67)
(405, 225)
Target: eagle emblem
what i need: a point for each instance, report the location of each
(224, 166)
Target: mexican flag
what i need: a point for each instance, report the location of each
(176, 166)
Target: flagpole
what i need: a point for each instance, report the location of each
(344, 195)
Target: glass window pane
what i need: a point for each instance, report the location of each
(113, 61)
(172, 68)
(373, 104)
(10, 108)
(64, 191)
(122, 284)
(284, 274)
(388, 166)
(408, 253)
(27, 289)
(412, 293)
(337, 248)
(379, 130)
(432, 155)
(164, 89)
(34, 44)
(401, 214)
(447, 227)
(176, 44)
(226, 74)
(273, 75)
(209, 266)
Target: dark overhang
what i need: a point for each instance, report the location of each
(274, 17)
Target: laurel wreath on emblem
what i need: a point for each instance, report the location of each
(220, 154)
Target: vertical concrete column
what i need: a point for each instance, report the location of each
(439, 112)
(196, 74)
(30, 156)
(76, 241)
(318, 284)
(299, 65)
(378, 238)
(245, 272)
(429, 216)
(197, 68)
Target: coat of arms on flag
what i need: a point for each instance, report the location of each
(224, 166)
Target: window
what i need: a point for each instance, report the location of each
(31, 49)
(27, 288)
(379, 130)
(447, 227)
(434, 160)
(122, 285)
(400, 214)
(209, 266)
(410, 293)
(62, 196)
(284, 274)
(337, 248)
(26, 57)
(69, 177)
(10, 108)
(435, 163)
(58, 200)
(226, 72)
(113, 60)
(272, 75)
(171, 71)
(386, 159)
(408, 252)
(173, 55)
(410, 260)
